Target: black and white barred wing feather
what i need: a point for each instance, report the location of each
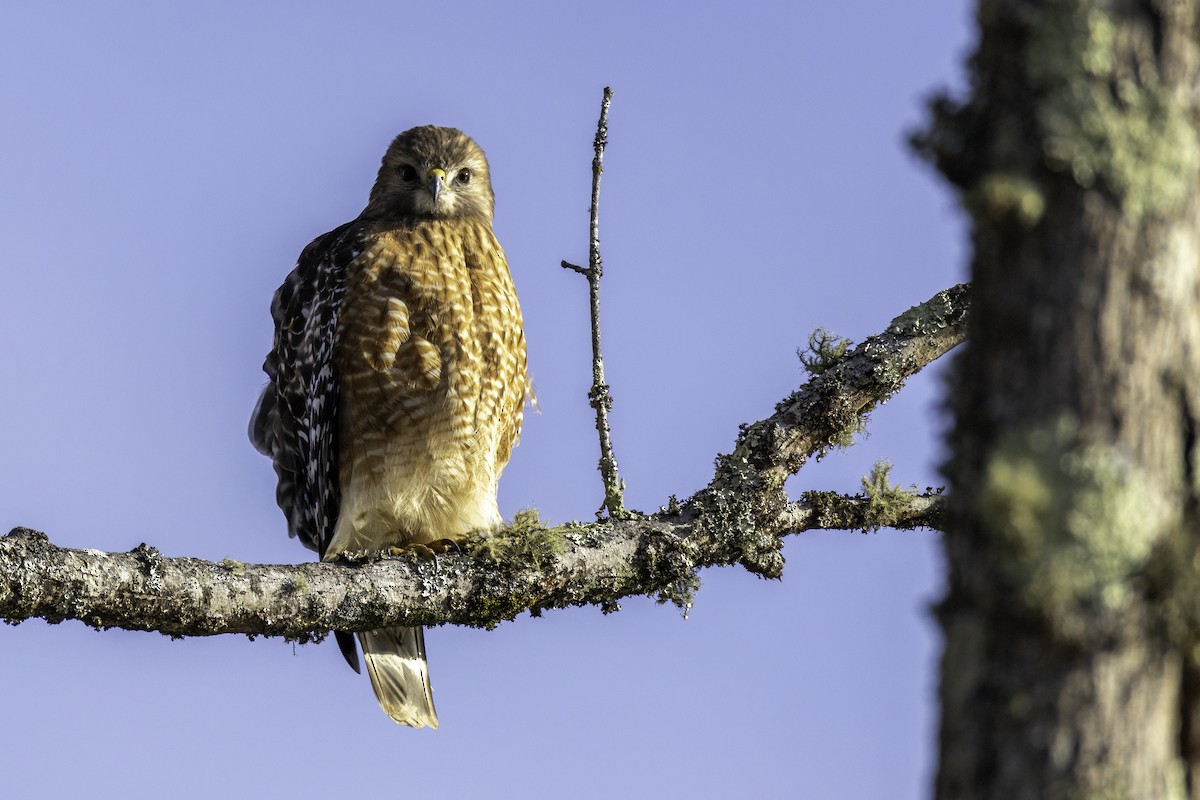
(296, 420)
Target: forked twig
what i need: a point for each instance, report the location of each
(599, 396)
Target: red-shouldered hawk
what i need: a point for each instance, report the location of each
(397, 381)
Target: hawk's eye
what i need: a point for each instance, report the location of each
(407, 173)
(464, 176)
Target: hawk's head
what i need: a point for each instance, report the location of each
(433, 172)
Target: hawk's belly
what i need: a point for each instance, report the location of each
(415, 486)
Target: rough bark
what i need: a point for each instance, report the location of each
(738, 519)
(1069, 666)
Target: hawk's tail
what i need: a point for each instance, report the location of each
(396, 663)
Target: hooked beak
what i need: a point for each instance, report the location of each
(435, 179)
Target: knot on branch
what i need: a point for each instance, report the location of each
(732, 518)
(672, 563)
(150, 561)
(599, 397)
(27, 536)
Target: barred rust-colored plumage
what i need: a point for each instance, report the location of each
(398, 381)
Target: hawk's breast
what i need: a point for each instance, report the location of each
(431, 354)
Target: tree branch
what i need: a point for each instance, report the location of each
(738, 519)
(599, 397)
(598, 565)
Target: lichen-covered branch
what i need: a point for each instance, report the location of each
(813, 418)
(747, 493)
(740, 518)
(592, 564)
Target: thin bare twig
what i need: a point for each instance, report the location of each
(599, 397)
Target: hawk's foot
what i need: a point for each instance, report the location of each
(429, 551)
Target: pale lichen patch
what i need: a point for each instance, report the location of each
(884, 499)
(1007, 196)
(525, 540)
(1105, 124)
(1074, 523)
(825, 349)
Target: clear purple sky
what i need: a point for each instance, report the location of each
(162, 166)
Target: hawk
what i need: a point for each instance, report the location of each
(397, 382)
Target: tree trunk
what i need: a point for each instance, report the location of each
(1070, 666)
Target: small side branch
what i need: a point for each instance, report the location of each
(833, 511)
(816, 416)
(599, 396)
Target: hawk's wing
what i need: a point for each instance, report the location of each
(296, 420)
